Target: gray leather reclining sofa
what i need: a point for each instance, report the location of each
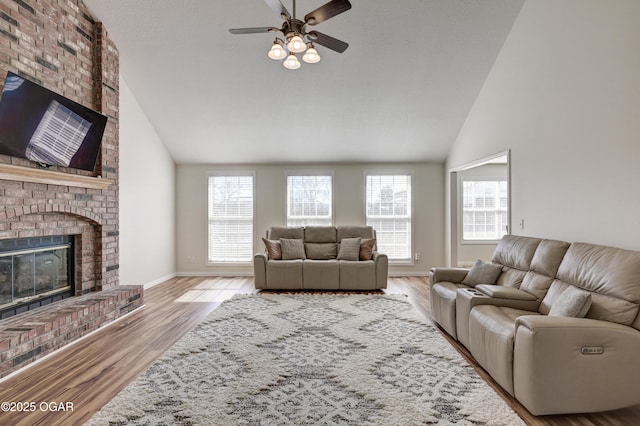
(320, 268)
(559, 329)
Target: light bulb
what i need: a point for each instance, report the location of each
(277, 52)
(296, 44)
(311, 56)
(292, 62)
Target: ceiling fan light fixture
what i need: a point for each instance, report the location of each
(292, 62)
(296, 44)
(277, 52)
(311, 55)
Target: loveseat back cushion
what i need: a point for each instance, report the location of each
(536, 284)
(355, 232)
(277, 232)
(548, 256)
(515, 252)
(321, 251)
(320, 234)
(612, 274)
(511, 277)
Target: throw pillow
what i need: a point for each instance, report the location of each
(366, 248)
(482, 273)
(573, 302)
(349, 249)
(292, 249)
(274, 250)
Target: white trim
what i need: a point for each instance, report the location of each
(159, 281)
(215, 274)
(68, 345)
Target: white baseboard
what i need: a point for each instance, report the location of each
(159, 281)
(215, 274)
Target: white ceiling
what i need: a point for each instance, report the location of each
(399, 93)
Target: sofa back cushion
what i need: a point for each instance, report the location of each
(515, 252)
(612, 276)
(321, 251)
(277, 232)
(355, 232)
(320, 234)
(544, 266)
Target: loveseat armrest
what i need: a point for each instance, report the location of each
(503, 292)
(575, 365)
(454, 275)
(381, 262)
(260, 270)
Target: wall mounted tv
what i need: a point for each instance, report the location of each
(47, 128)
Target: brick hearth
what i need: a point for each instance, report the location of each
(58, 45)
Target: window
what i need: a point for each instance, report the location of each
(388, 204)
(484, 209)
(230, 209)
(309, 198)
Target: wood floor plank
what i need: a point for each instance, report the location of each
(91, 372)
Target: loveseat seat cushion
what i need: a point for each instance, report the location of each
(491, 337)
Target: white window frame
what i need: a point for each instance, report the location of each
(290, 220)
(496, 209)
(409, 217)
(252, 220)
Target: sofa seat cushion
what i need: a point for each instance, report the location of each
(321, 274)
(491, 336)
(443, 305)
(284, 274)
(356, 275)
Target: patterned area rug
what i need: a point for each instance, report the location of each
(310, 359)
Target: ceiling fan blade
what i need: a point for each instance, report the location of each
(255, 30)
(329, 10)
(328, 41)
(278, 8)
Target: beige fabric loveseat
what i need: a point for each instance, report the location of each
(558, 328)
(321, 258)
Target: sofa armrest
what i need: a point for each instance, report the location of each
(260, 270)
(454, 275)
(503, 292)
(572, 365)
(381, 262)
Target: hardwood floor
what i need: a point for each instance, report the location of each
(91, 372)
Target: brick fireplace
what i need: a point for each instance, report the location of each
(59, 46)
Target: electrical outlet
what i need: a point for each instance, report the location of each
(417, 257)
(521, 223)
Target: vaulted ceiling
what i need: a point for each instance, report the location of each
(399, 93)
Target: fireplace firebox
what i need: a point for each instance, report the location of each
(35, 272)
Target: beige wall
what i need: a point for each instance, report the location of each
(270, 210)
(147, 199)
(564, 96)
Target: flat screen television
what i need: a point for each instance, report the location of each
(45, 127)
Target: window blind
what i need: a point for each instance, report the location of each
(388, 206)
(484, 209)
(309, 200)
(230, 208)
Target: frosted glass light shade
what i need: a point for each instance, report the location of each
(311, 56)
(291, 63)
(296, 44)
(277, 52)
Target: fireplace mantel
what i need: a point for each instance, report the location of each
(26, 174)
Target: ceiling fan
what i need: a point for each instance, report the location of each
(297, 39)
